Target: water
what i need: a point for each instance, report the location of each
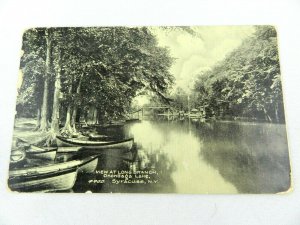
(195, 157)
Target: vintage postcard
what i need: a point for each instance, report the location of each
(150, 110)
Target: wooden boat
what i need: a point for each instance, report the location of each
(117, 124)
(20, 143)
(87, 144)
(47, 153)
(52, 177)
(98, 137)
(17, 157)
(90, 166)
(133, 121)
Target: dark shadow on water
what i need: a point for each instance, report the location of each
(253, 157)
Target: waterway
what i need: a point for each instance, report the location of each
(196, 157)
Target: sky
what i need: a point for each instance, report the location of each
(195, 54)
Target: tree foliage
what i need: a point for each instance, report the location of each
(247, 82)
(99, 69)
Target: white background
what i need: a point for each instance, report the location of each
(152, 208)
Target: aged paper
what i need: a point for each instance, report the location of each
(150, 110)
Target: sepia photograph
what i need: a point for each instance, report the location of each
(150, 109)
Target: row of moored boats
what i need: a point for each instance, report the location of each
(53, 175)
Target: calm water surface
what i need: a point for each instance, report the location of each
(195, 157)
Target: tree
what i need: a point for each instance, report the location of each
(99, 70)
(247, 82)
(44, 110)
(32, 65)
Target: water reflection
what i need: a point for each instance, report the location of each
(182, 149)
(254, 157)
(193, 157)
(218, 157)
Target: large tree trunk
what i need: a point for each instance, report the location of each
(95, 116)
(100, 116)
(91, 115)
(73, 120)
(68, 119)
(55, 110)
(67, 129)
(38, 118)
(75, 106)
(44, 113)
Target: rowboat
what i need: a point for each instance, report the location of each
(113, 125)
(90, 166)
(21, 143)
(17, 157)
(47, 153)
(88, 144)
(33, 151)
(117, 124)
(56, 180)
(133, 121)
(98, 137)
(52, 177)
